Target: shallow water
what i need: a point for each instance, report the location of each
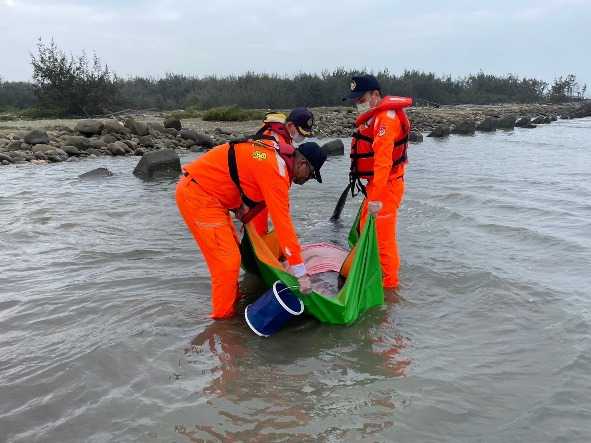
(104, 302)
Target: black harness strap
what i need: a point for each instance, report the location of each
(233, 167)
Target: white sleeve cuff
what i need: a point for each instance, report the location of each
(298, 270)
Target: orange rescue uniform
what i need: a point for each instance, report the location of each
(206, 195)
(385, 185)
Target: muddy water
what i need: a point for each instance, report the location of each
(104, 333)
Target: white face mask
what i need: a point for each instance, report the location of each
(297, 137)
(363, 107)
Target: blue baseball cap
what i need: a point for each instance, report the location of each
(315, 156)
(303, 119)
(360, 84)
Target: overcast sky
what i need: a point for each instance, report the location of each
(537, 38)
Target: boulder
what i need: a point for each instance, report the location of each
(56, 155)
(172, 122)
(155, 128)
(506, 122)
(112, 126)
(440, 131)
(5, 158)
(36, 137)
(89, 127)
(465, 127)
(137, 128)
(96, 173)
(171, 131)
(78, 141)
(415, 137)
(540, 120)
(72, 151)
(198, 139)
(20, 156)
(146, 140)
(489, 124)
(42, 148)
(164, 163)
(523, 122)
(117, 148)
(98, 143)
(334, 147)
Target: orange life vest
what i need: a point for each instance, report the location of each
(361, 146)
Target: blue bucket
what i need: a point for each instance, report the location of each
(269, 313)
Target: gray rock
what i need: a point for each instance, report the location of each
(506, 122)
(222, 131)
(78, 141)
(98, 143)
(96, 173)
(36, 137)
(20, 156)
(583, 110)
(334, 147)
(198, 139)
(164, 163)
(5, 162)
(137, 128)
(440, 131)
(415, 137)
(171, 131)
(42, 148)
(172, 122)
(540, 120)
(139, 151)
(489, 124)
(108, 138)
(523, 122)
(72, 151)
(39, 156)
(5, 158)
(117, 148)
(465, 127)
(89, 127)
(112, 126)
(94, 152)
(195, 148)
(146, 140)
(56, 155)
(14, 145)
(156, 128)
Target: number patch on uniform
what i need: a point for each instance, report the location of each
(258, 155)
(382, 132)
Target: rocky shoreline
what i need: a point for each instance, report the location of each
(49, 141)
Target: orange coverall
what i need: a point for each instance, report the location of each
(206, 195)
(387, 186)
(261, 220)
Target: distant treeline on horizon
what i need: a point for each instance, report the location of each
(79, 86)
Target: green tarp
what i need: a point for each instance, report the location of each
(362, 290)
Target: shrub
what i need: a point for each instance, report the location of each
(232, 114)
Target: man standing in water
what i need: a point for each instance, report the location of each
(244, 177)
(378, 155)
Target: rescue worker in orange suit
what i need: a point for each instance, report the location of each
(378, 155)
(286, 131)
(243, 177)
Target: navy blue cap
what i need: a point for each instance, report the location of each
(303, 119)
(315, 156)
(360, 84)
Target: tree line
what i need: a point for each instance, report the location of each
(82, 86)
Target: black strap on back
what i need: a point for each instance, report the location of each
(233, 167)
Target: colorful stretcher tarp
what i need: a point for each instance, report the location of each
(361, 291)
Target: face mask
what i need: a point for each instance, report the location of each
(297, 137)
(363, 107)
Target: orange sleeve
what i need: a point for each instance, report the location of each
(387, 129)
(275, 190)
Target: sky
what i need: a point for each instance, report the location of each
(534, 38)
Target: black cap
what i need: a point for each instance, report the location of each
(315, 156)
(303, 119)
(361, 84)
